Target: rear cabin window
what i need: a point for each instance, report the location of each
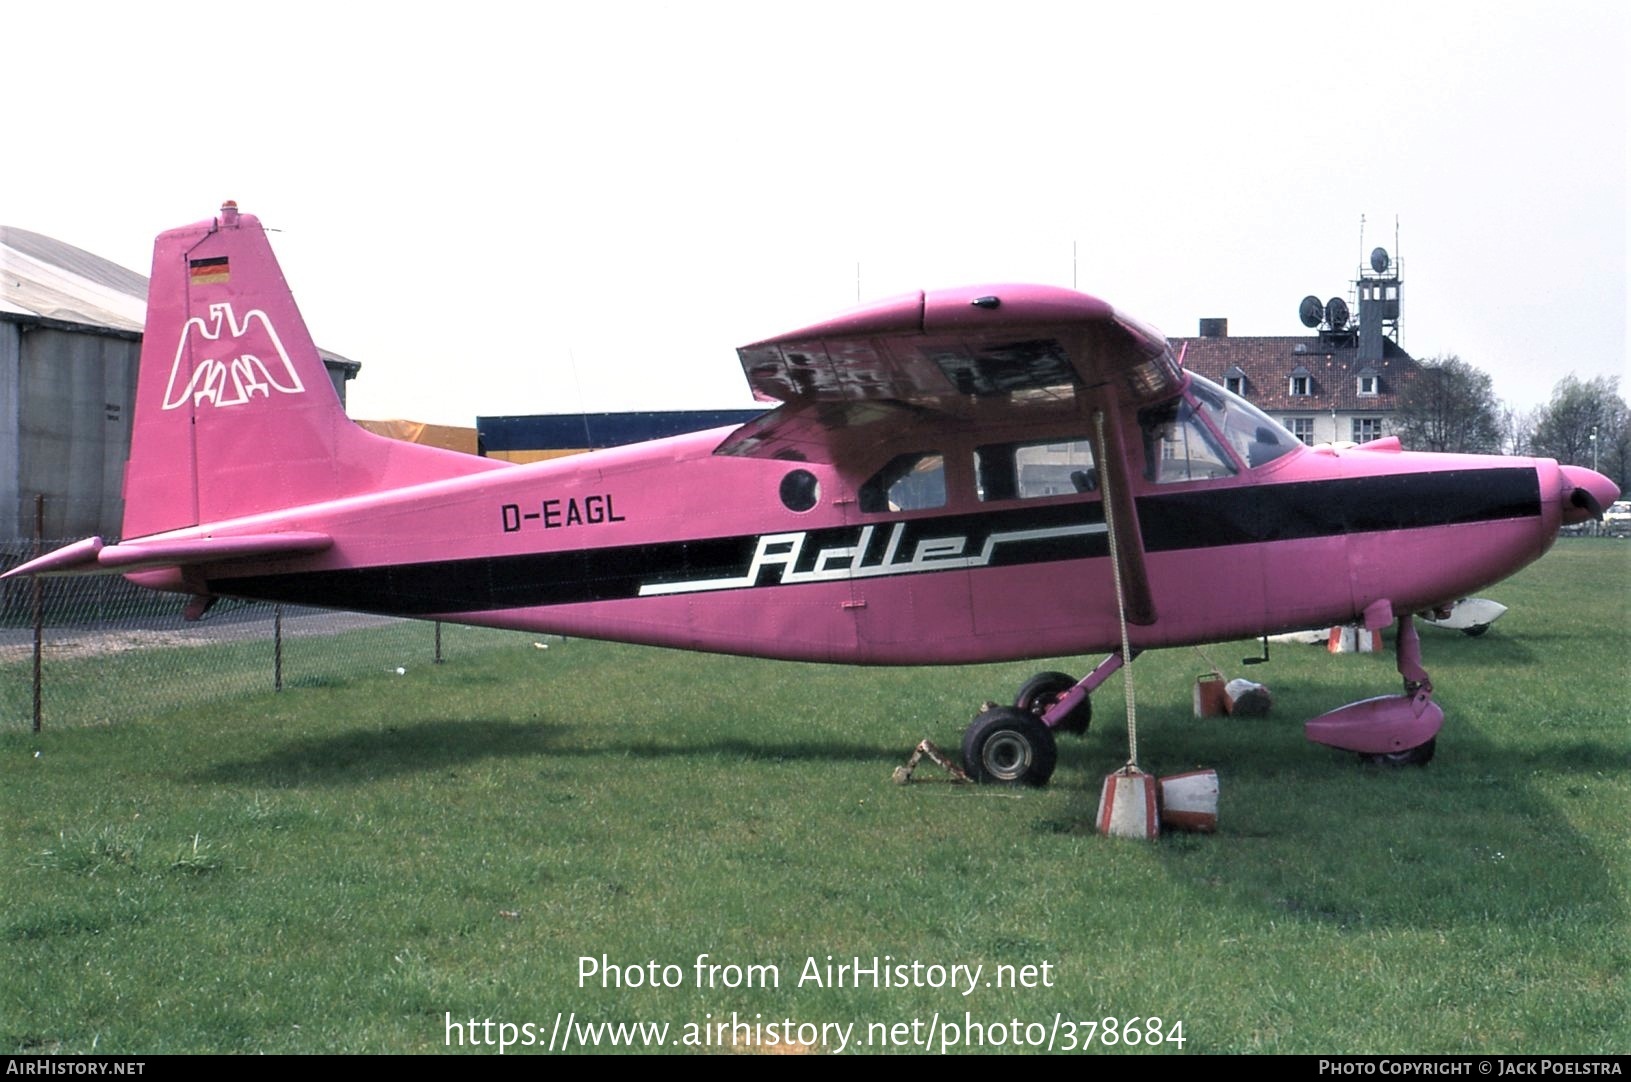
(1027, 471)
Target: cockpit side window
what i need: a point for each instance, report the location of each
(915, 481)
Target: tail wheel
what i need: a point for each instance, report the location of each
(1009, 747)
(1041, 691)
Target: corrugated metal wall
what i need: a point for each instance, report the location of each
(10, 470)
(71, 429)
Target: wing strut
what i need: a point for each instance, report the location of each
(1111, 518)
(1121, 518)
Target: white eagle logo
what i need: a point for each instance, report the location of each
(232, 382)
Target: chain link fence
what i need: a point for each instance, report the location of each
(110, 651)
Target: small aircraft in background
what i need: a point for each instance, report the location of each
(944, 482)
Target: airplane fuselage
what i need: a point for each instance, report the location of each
(672, 545)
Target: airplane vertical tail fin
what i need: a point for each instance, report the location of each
(235, 413)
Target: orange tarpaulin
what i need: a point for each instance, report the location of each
(449, 437)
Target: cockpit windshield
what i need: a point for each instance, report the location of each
(1253, 435)
(1182, 436)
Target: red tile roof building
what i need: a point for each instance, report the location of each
(1341, 383)
(1315, 385)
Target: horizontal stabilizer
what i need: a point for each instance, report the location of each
(78, 557)
(94, 556)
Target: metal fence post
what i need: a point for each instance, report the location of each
(277, 648)
(39, 602)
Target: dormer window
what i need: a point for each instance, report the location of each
(1302, 383)
(1234, 380)
(1369, 385)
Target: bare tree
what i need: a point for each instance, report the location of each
(1517, 426)
(1450, 406)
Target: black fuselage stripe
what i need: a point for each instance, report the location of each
(1290, 512)
(1168, 522)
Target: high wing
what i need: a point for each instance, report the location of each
(960, 356)
(957, 353)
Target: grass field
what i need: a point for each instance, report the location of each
(344, 867)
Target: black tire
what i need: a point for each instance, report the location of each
(1420, 755)
(1043, 690)
(1007, 746)
(1476, 630)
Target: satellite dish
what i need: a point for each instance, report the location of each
(1311, 311)
(1336, 313)
(1379, 261)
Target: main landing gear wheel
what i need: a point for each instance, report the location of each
(1420, 755)
(1041, 691)
(1010, 747)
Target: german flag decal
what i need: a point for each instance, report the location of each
(208, 271)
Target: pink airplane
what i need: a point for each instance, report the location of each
(944, 482)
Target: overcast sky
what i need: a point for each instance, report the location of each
(526, 208)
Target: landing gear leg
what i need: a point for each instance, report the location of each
(1042, 693)
(1418, 686)
(1062, 701)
